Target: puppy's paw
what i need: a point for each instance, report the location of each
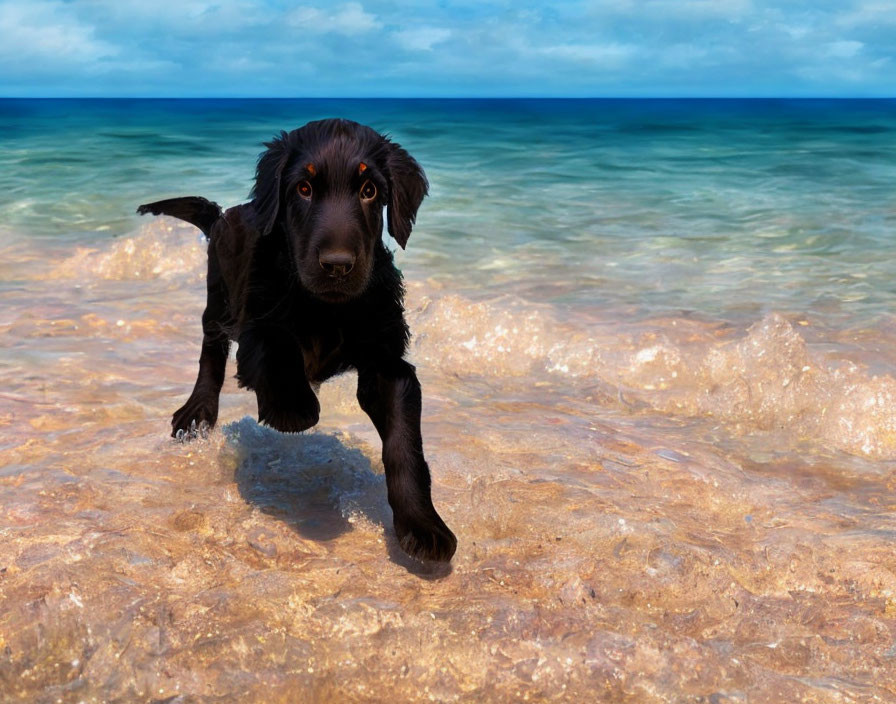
(425, 538)
(288, 413)
(195, 418)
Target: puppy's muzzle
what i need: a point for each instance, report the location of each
(337, 263)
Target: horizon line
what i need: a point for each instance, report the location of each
(449, 97)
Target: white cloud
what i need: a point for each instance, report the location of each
(350, 19)
(683, 56)
(794, 31)
(878, 14)
(603, 54)
(727, 9)
(844, 49)
(45, 32)
(421, 38)
(166, 10)
(659, 10)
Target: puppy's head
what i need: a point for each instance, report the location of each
(323, 187)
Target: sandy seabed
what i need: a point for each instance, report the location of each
(621, 538)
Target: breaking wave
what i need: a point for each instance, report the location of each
(160, 250)
(765, 377)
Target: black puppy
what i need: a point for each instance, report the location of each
(300, 278)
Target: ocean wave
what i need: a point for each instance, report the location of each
(765, 377)
(162, 249)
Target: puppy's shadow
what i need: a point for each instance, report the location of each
(313, 483)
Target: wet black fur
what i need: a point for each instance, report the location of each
(298, 325)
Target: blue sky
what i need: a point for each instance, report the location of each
(441, 48)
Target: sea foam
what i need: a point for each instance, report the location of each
(160, 250)
(764, 378)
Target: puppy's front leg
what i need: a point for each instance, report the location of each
(202, 406)
(269, 361)
(391, 397)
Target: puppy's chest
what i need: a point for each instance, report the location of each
(324, 353)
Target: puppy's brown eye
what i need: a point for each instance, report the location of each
(368, 191)
(304, 189)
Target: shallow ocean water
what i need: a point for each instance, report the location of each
(655, 341)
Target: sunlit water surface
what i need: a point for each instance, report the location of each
(656, 345)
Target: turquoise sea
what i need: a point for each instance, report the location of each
(657, 340)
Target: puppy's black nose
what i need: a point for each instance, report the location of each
(336, 262)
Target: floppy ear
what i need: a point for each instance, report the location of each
(407, 188)
(266, 192)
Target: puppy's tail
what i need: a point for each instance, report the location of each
(195, 210)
